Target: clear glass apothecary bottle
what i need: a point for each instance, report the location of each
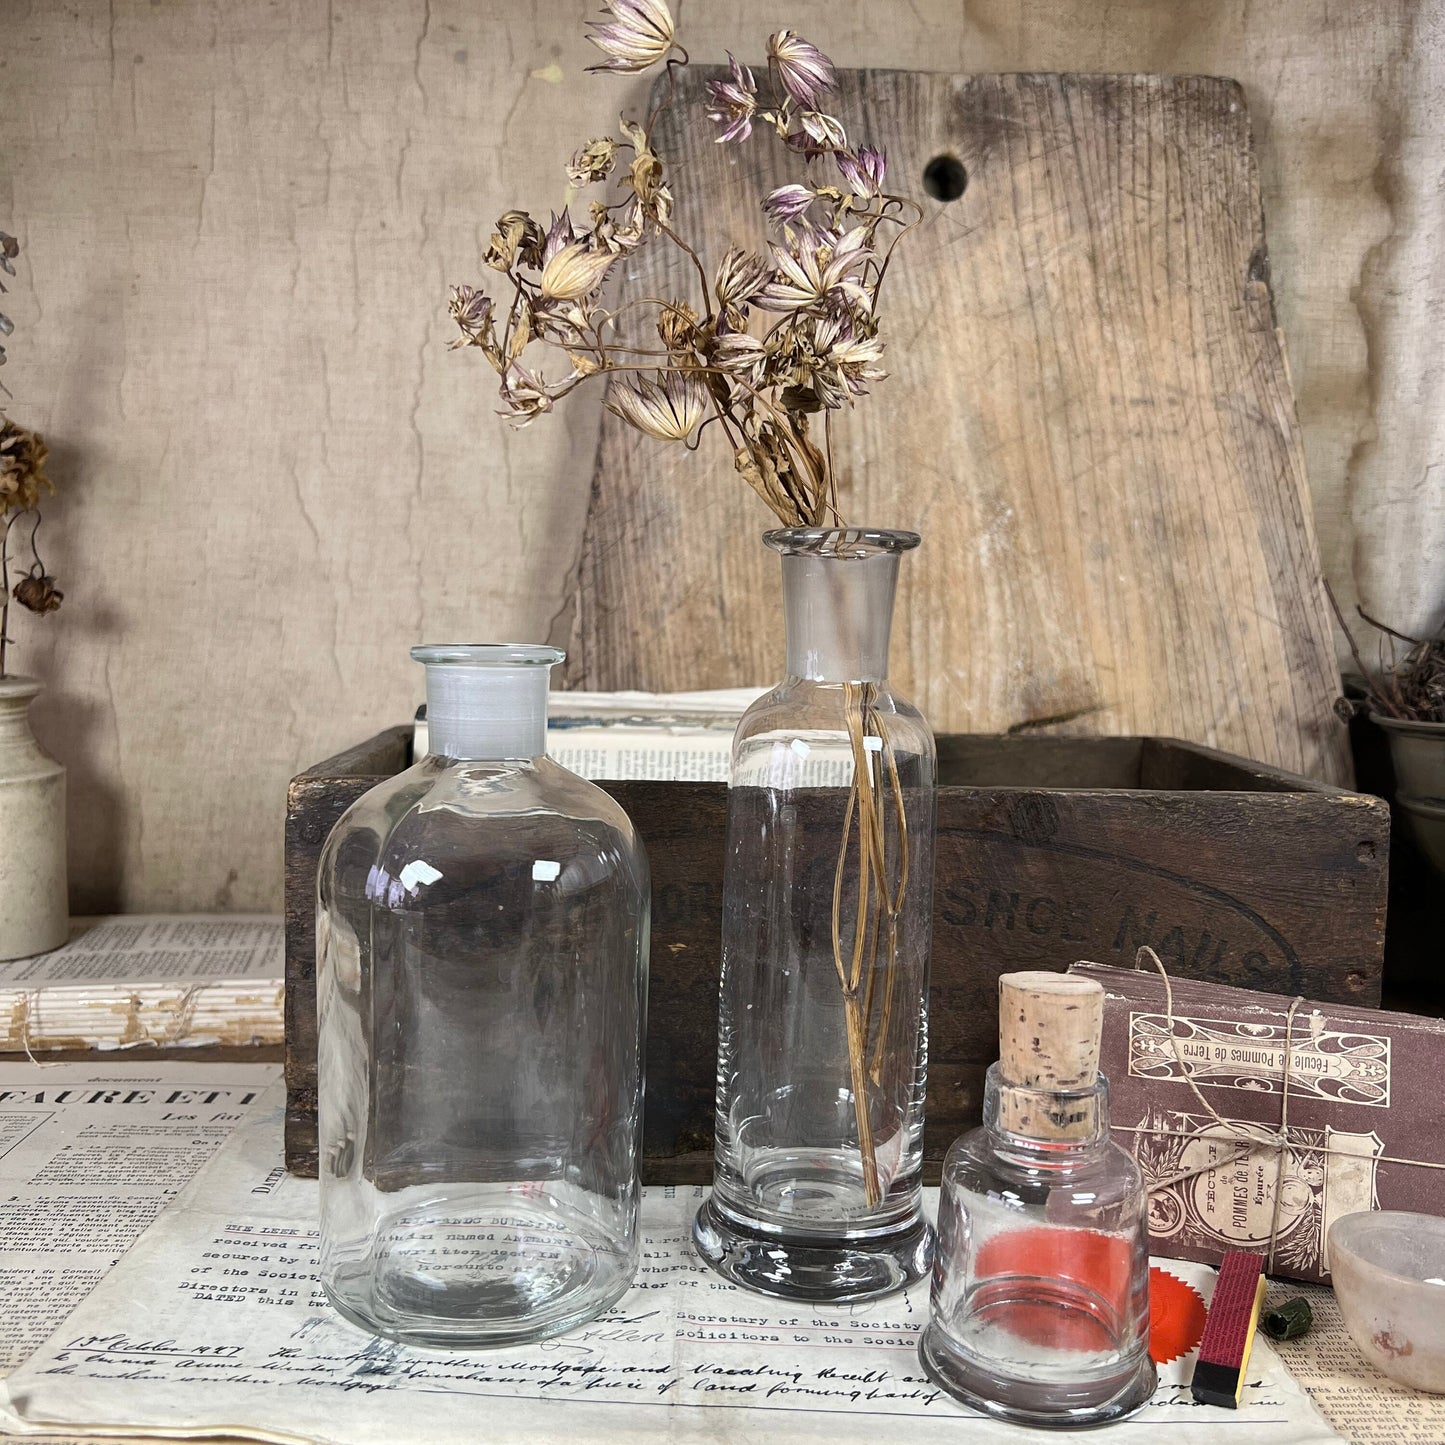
(1040, 1304)
(827, 917)
(482, 934)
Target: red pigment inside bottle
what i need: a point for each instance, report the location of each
(1065, 1289)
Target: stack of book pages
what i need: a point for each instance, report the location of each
(676, 737)
(125, 981)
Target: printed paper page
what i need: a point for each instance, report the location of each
(89, 1155)
(126, 949)
(1365, 1406)
(716, 705)
(215, 1320)
(616, 753)
(621, 751)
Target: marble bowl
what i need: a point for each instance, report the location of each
(1388, 1270)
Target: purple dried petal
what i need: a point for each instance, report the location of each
(733, 102)
(864, 172)
(804, 71)
(787, 203)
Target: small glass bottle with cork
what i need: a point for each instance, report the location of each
(1040, 1307)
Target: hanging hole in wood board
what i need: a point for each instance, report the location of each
(944, 178)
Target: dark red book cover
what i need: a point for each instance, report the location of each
(1364, 1101)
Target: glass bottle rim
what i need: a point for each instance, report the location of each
(487, 654)
(851, 543)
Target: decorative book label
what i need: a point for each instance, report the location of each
(1242, 1054)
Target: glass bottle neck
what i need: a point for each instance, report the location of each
(486, 713)
(839, 615)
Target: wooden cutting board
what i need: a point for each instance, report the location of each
(1088, 417)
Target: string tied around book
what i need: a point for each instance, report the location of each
(29, 1003)
(1249, 1140)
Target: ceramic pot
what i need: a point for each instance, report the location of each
(34, 916)
(1417, 750)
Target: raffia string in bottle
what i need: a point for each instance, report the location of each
(765, 350)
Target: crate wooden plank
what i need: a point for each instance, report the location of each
(1260, 879)
(1088, 417)
(314, 801)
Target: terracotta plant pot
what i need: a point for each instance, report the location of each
(1417, 750)
(34, 917)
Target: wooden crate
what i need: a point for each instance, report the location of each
(1056, 849)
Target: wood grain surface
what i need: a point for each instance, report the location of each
(1089, 418)
(1065, 848)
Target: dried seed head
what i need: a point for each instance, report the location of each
(525, 395)
(677, 326)
(22, 467)
(574, 272)
(38, 592)
(817, 268)
(639, 34)
(670, 410)
(788, 203)
(472, 311)
(740, 354)
(804, 71)
(740, 276)
(516, 232)
(862, 172)
(645, 177)
(733, 103)
(593, 162)
(819, 133)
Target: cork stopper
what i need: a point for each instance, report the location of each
(1049, 1026)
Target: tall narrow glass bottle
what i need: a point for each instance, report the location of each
(482, 931)
(827, 913)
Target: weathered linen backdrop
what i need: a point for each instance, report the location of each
(239, 217)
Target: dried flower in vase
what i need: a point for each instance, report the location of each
(769, 345)
(23, 455)
(22, 482)
(1410, 688)
(38, 592)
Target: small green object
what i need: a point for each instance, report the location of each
(1292, 1319)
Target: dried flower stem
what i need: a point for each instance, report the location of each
(22, 483)
(37, 592)
(5, 588)
(895, 904)
(692, 256)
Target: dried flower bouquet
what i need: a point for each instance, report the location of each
(22, 481)
(767, 348)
